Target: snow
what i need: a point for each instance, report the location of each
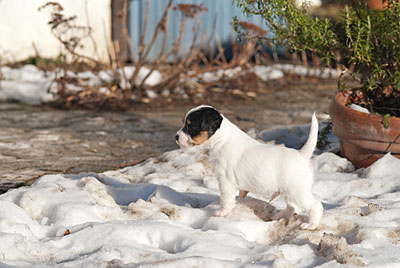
(153, 78)
(359, 108)
(266, 73)
(27, 84)
(30, 85)
(310, 2)
(159, 214)
(307, 71)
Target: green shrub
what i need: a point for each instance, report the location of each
(366, 38)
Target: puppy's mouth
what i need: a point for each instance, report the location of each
(185, 141)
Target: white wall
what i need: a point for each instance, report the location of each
(22, 25)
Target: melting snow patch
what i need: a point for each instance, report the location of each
(268, 73)
(33, 86)
(359, 108)
(153, 77)
(27, 84)
(307, 71)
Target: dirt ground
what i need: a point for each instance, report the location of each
(42, 140)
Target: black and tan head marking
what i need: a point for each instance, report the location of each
(201, 124)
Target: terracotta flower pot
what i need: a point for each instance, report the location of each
(375, 4)
(363, 138)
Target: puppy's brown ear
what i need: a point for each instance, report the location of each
(211, 122)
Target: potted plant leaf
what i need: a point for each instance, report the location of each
(365, 42)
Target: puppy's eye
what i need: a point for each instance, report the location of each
(191, 127)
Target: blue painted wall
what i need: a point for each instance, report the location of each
(222, 10)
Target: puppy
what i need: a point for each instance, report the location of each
(244, 164)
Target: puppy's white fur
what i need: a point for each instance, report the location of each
(242, 163)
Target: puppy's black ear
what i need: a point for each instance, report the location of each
(211, 122)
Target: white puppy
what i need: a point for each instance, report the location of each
(242, 163)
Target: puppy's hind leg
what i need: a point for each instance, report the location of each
(227, 198)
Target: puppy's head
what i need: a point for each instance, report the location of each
(199, 125)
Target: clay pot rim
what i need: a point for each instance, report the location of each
(340, 100)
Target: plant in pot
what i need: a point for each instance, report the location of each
(365, 42)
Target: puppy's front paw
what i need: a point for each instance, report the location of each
(222, 212)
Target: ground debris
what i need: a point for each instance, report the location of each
(336, 248)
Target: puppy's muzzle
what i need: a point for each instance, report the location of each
(183, 140)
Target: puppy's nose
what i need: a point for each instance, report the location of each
(176, 137)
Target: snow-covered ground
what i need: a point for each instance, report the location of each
(159, 214)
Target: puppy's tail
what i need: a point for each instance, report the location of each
(309, 147)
